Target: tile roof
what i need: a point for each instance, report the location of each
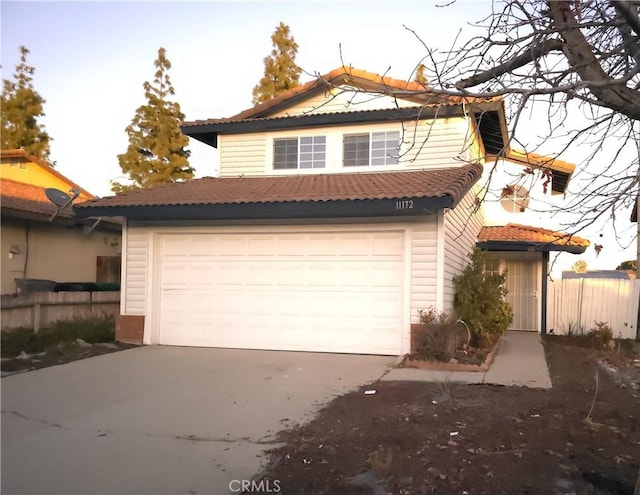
(30, 199)
(19, 196)
(367, 81)
(22, 154)
(453, 182)
(517, 233)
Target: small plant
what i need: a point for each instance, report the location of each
(603, 332)
(92, 330)
(573, 329)
(479, 300)
(439, 336)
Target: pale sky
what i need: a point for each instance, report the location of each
(91, 59)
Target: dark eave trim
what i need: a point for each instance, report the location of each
(528, 246)
(400, 207)
(207, 133)
(59, 221)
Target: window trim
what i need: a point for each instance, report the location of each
(306, 159)
(388, 159)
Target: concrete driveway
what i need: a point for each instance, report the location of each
(163, 419)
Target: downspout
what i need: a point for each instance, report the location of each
(26, 249)
(543, 295)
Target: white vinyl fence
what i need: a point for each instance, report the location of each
(576, 304)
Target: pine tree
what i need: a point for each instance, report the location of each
(156, 153)
(420, 75)
(22, 106)
(280, 70)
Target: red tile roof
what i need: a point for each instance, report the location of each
(22, 154)
(453, 182)
(25, 197)
(513, 232)
(368, 81)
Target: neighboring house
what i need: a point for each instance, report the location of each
(337, 216)
(35, 246)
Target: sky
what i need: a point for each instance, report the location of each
(92, 58)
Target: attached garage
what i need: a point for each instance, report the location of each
(311, 291)
(323, 263)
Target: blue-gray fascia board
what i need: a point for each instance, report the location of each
(400, 207)
(528, 246)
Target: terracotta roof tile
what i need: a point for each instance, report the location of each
(513, 232)
(367, 81)
(453, 182)
(22, 154)
(25, 197)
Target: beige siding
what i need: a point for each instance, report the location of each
(344, 100)
(242, 154)
(435, 144)
(52, 252)
(135, 285)
(431, 144)
(424, 245)
(461, 228)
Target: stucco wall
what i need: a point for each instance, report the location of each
(49, 251)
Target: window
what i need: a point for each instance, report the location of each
(376, 148)
(303, 152)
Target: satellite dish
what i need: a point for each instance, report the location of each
(515, 199)
(60, 199)
(57, 197)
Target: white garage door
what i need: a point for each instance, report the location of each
(333, 292)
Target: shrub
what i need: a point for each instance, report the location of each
(438, 336)
(479, 300)
(92, 330)
(602, 331)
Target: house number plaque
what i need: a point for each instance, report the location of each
(405, 204)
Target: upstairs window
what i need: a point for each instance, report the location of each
(303, 152)
(376, 148)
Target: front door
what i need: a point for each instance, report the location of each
(522, 283)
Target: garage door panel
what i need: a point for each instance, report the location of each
(335, 292)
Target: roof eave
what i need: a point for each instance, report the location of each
(276, 210)
(529, 246)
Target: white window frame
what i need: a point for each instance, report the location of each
(311, 152)
(386, 155)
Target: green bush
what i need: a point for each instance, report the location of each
(13, 342)
(479, 300)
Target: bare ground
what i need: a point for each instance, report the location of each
(581, 437)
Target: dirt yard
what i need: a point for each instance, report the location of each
(581, 437)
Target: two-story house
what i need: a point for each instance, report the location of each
(343, 207)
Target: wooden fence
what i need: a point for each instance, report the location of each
(576, 304)
(41, 309)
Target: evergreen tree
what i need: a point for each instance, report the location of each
(22, 106)
(280, 70)
(156, 153)
(421, 76)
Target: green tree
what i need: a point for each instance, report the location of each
(421, 77)
(280, 70)
(22, 106)
(579, 266)
(156, 153)
(479, 299)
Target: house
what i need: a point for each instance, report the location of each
(343, 207)
(37, 248)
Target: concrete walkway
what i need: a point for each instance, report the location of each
(520, 361)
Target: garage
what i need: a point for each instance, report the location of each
(328, 291)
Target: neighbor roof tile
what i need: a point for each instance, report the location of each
(513, 232)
